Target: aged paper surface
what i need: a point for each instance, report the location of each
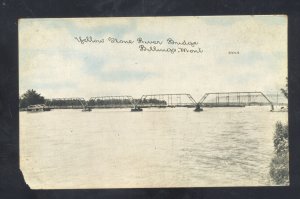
(152, 101)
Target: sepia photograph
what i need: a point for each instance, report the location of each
(154, 102)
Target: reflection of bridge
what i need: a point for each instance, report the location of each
(235, 99)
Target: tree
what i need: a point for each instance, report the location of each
(31, 97)
(285, 90)
(279, 167)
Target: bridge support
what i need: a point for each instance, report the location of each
(198, 108)
(136, 109)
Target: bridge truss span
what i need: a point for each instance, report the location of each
(121, 101)
(166, 100)
(235, 99)
(66, 103)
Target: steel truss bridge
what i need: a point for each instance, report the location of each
(215, 99)
(235, 99)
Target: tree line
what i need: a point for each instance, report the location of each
(31, 97)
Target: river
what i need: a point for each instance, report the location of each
(171, 147)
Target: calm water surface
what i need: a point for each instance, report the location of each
(172, 147)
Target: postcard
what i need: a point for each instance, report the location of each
(153, 102)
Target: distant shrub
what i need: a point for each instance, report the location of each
(31, 97)
(279, 167)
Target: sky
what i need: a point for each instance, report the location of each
(55, 64)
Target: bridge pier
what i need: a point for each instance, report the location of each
(136, 109)
(198, 108)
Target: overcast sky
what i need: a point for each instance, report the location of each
(55, 64)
